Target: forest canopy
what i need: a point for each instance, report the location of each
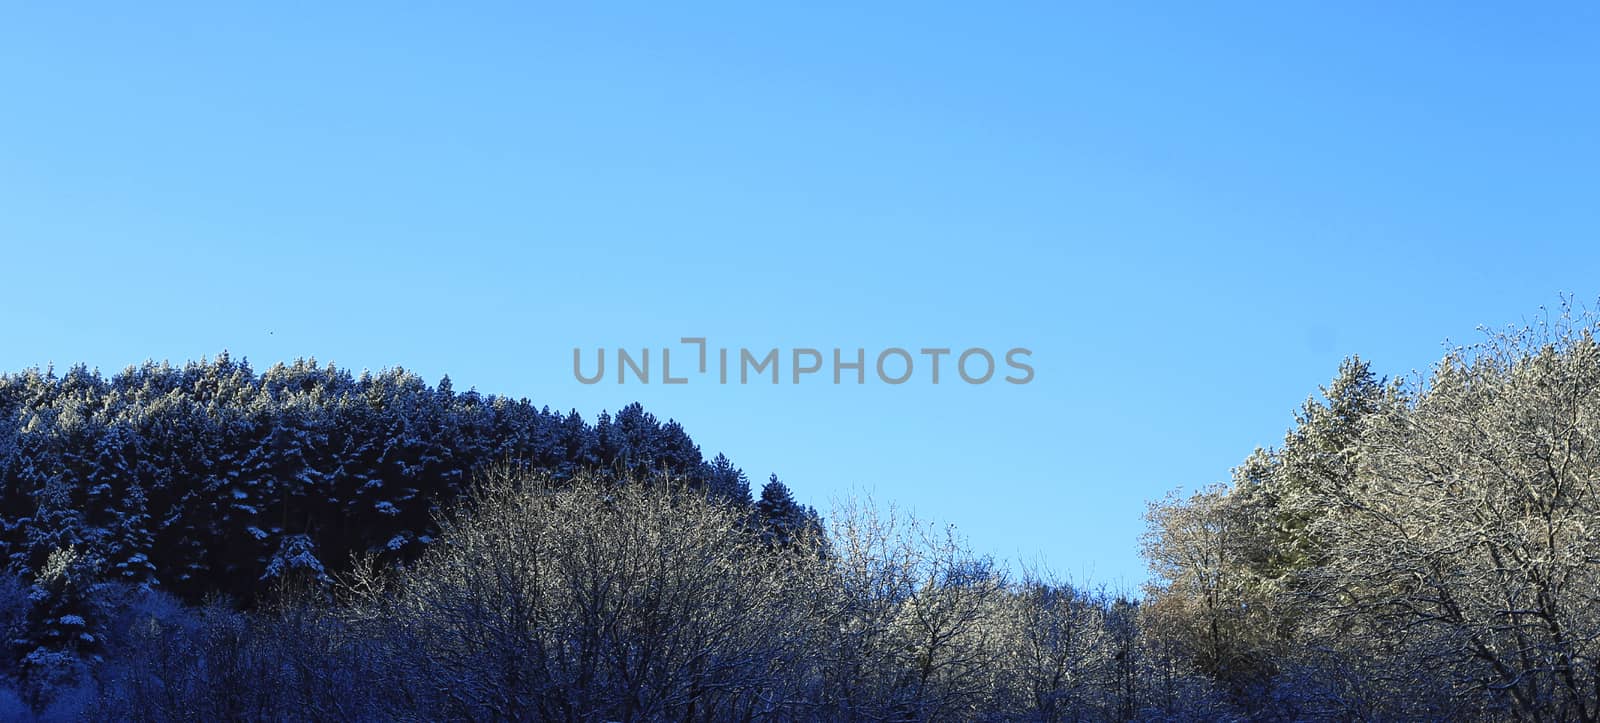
(214, 478)
(1423, 548)
(207, 542)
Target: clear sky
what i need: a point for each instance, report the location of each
(1188, 213)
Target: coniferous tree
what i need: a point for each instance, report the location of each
(192, 477)
(63, 626)
(781, 517)
(727, 481)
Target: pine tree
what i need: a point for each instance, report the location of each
(129, 556)
(580, 443)
(63, 623)
(1318, 462)
(781, 518)
(296, 563)
(11, 502)
(727, 481)
(193, 477)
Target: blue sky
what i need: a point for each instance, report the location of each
(1189, 214)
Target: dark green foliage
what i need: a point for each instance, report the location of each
(63, 629)
(197, 479)
(781, 518)
(727, 481)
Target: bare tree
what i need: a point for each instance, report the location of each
(589, 600)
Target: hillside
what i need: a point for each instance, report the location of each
(215, 478)
(300, 544)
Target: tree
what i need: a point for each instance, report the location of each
(192, 477)
(780, 518)
(588, 598)
(1468, 535)
(63, 623)
(727, 481)
(1205, 599)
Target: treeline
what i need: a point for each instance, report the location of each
(1416, 549)
(1423, 549)
(593, 598)
(212, 478)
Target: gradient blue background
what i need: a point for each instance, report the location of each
(1189, 214)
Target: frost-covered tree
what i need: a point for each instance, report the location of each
(62, 632)
(1469, 538)
(296, 563)
(780, 518)
(193, 476)
(541, 603)
(726, 481)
